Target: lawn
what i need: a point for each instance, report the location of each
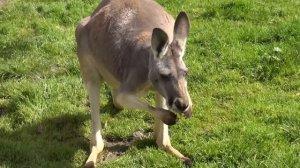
(244, 79)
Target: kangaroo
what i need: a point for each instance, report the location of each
(135, 46)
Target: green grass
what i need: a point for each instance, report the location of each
(246, 92)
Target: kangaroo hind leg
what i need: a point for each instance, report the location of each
(92, 80)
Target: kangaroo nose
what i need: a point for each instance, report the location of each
(180, 104)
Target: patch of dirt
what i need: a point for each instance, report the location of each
(3, 3)
(116, 148)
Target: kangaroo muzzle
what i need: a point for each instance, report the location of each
(181, 106)
(188, 112)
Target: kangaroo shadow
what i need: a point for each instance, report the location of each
(61, 141)
(52, 142)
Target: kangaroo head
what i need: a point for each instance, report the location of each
(168, 72)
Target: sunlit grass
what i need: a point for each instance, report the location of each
(244, 62)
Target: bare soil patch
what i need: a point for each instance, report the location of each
(116, 148)
(3, 3)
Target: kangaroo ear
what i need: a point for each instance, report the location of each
(181, 31)
(159, 43)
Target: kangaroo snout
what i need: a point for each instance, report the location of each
(180, 104)
(188, 112)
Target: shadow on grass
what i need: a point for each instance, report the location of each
(59, 142)
(52, 142)
(110, 109)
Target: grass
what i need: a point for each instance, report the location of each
(244, 61)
